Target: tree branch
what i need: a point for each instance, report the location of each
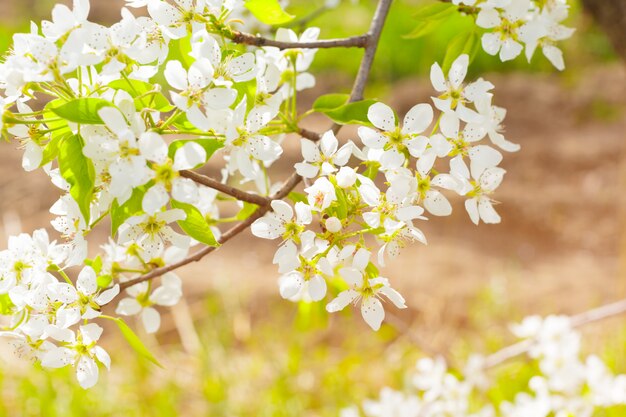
(360, 41)
(286, 188)
(226, 189)
(590, 316)
(374, 33)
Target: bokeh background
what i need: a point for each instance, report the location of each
(233, 347)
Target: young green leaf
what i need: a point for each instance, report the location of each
(463, 43)
(352, 113)
(435, 11)
(131, 207)
(145, 95)
(78, 171)
(423, 28)
(135, 342)
(82, 110)
(269, 12)
(336, 107)
(296, 197)
(195, 225)
(329, 102)
(247, 210)
(51, 150)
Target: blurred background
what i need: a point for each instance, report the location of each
(233, 347)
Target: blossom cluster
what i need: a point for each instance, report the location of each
(514, 26)
(118, 116)
(86, 103)
(563, 382)
(418, 162)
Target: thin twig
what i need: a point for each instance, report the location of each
(374, 32)
(286, 188)
(226, 189)
(360, 41)
(591, 316)
(376, 28)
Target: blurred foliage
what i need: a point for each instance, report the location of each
(257, 356)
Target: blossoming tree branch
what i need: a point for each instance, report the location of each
(123, 118)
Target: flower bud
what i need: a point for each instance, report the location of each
(333, 224)
(346, 177)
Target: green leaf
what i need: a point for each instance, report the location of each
(423, 28)
(247, 210)
(145, 95)
(95, 263)
(330, 102)
(336, 107)
(131, 207)
(435, 11)
(430, 17)
(341, 204)
(51, 150)
(6, 305)
(372, 169)
(82, 110)
(135, 342)
(297, 197)
(269, 12)
(352, 113)
(104, 281)
(209, 145)
(195, 224)
(78, 171)
(463, 43)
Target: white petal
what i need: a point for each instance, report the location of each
(87, 372)
(290, 285)
(282, 210)
(510, 49)
(342, 300)
(382, 116)
(393, 295)
(371, 138)
(108, 295)
(317, 288)
(555, 56)
(458, 70)
(373, 312)
(437, 204)
(128, 307)
(491, 43)
(176, 75)
(154, 199)
(487, 213)
(306, 170)
(190, 155)
(151, 319)
(310, 151)
(437, 78)
(418, 118)
(471, 206)
(86, 282)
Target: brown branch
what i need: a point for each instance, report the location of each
(374, 32)
(360, 41)
(286, 188)
(226, 189)
(376, 28)
(590, 316)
